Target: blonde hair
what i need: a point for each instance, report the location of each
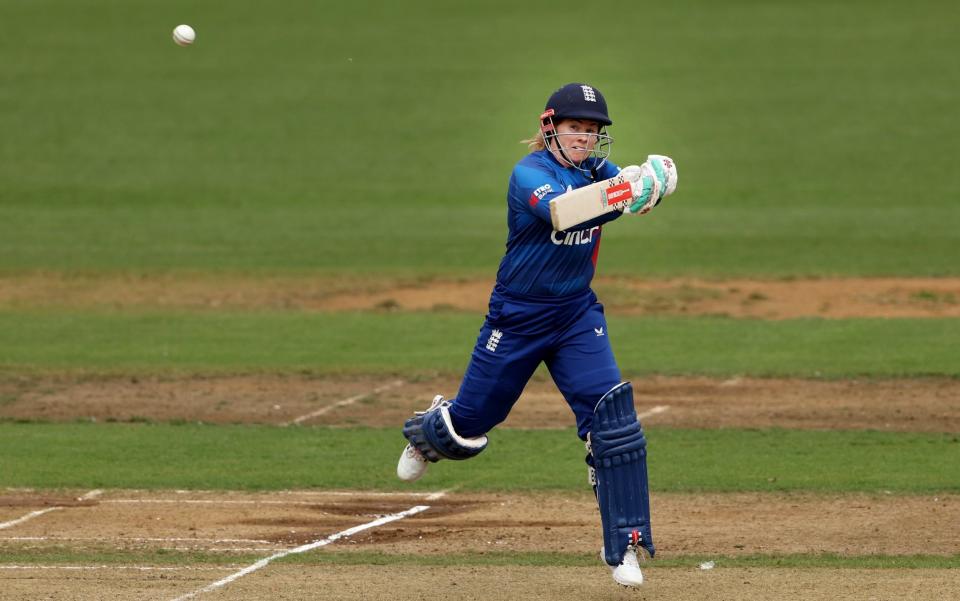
(536, 142)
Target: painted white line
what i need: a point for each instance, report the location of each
(29, 516)
(355, 494)
(304, 548)
(226, 550)
(305, 493)
(208, 502)
(141, 568)
(363, 493)
(343, 403)
(173, 548)
(40, 512)
(653, 411)
(437, 495)
(219, 502)
(124, 539)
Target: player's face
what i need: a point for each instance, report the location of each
(578, 137)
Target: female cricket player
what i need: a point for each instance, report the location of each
(543, 310)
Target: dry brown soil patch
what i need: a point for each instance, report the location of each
(684, 524)
(921, 405)
(765, 299)
(412, 583)
(700, 525)
(354, 583)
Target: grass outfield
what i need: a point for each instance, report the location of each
(310, 136)
(412, 343)
(191, 456)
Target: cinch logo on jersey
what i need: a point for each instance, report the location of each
(542, 191)
(494, 340)
(573, 238)
(588, 94)
(619, 193)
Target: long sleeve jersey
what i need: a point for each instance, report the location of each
(539, 261)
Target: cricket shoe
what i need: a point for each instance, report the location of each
(628, 573)
(413, 465)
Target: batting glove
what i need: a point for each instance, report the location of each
(657, 178)
(665, 170)
(647, 191)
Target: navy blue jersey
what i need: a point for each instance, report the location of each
(541, 262)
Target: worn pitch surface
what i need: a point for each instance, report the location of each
(263, 524)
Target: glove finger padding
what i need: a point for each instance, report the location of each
(666, 171)
(631, 173)
(647, 191)
(639, 208)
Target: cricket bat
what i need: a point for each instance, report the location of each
(583, 204)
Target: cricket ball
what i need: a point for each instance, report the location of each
(184, 35)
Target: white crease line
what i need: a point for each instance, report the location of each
(653, 411)
(306, 493)
(29, 516)
(436, 495)
(304, 548)
(40, 512)
(210, 501)
(343, 403)
(428, 496)
(134, 539)
(217, 502)
(223, 550)
(365, 493)
(120, 542)
(357, 493)
(105, 567)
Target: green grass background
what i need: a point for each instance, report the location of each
(196, 456)
(416, 343)
(377, 137)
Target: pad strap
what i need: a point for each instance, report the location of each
(433, 435)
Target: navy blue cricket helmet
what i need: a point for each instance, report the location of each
(578, 101)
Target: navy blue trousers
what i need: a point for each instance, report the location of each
(569, 334)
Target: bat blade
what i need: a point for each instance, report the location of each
(583, 204)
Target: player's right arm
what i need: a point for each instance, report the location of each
(531, 191)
